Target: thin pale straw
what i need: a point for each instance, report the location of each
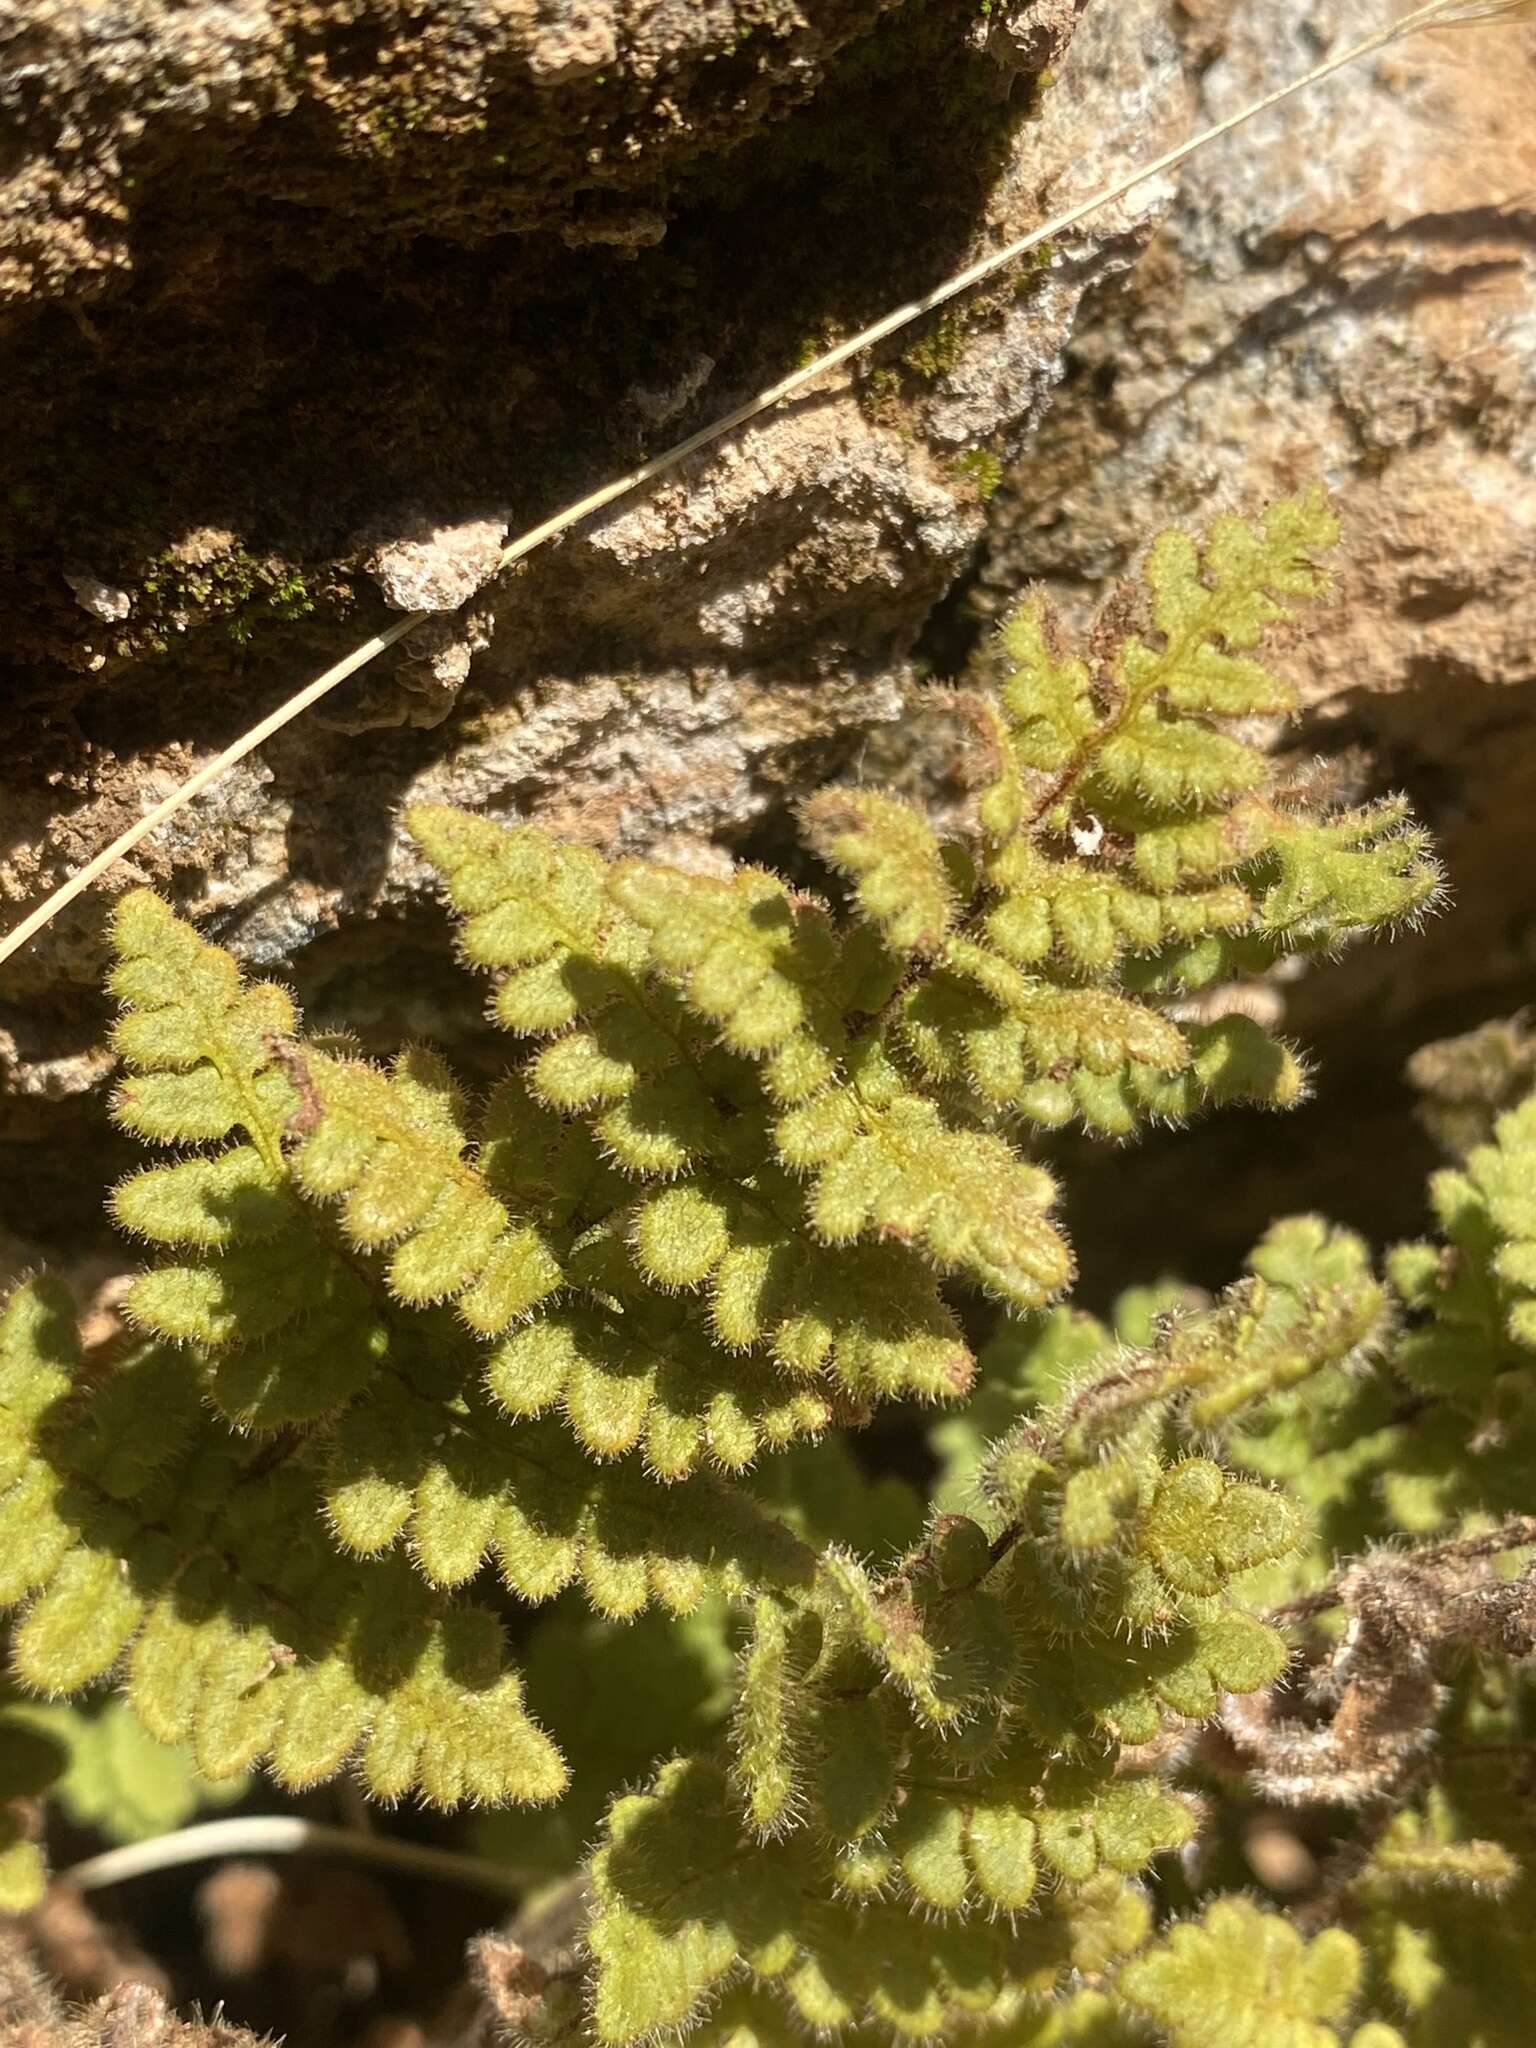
(659, 465)
(283, 1834)
(1458, 11)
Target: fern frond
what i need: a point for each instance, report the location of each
(461, 1487)
(681, 1900)
(904, 1766)
(1243, 1978)
(949, 1655)
(534, 911)
(1130, 830)
(1471, 1306)
(641, 1379)
(283, 1328)
(394, 1146)
(769, 1726)
(205, 1576)
(759, 965)
(888, 1164)
(892, 856)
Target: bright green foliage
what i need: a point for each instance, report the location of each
(954, 1737)
(1488, 1211)
(1127, 835)
(282, 1329)
(114, 1776)
(1311, 1306)
(1471, 1345)
(375, 1361)
(1242, 1978)
(548, 1517)
(204, 1575)
(946, 1738)
(1444, 1908)
(1449, 1428)
(768, 1731)
(1028, 1361)
(893, 858)
(680, 1906)
(849, 1761)
(393, 1145)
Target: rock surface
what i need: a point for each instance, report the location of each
(653, 678)
(360, 289)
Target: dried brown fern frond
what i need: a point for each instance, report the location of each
(132, 2015)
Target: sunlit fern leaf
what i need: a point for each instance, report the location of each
(894, 860)
(1240, 1977)
(888, 1165)
(201, 1049)
(991, 1839)
(283, 1329)
(1130, 828)
(1505, 1175)
(392, 1146)
(1470, 1335)
(683, 1898)
(1203, 1527)
(770, 1734)
(39, 1358)
(1079, 1684)
(1311, 1303)
(649, 1379)
(1345, 872)
(678, 1899)
(759, 964)
(533, 910)
(460, 1486)
(205, 1575)
(584, 1338)
(865, 1317)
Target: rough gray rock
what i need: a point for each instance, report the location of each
(560, 116)
(440, 570)
(654, 678)
(364, 287)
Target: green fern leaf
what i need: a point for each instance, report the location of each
(113, 1776)
(461, 1487)
(892, 856)
(283, 1328)
(533, 910)
(759, 965)
(683, 1898)
(1243, 1978)
(889, 1165)
(393, 1145)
